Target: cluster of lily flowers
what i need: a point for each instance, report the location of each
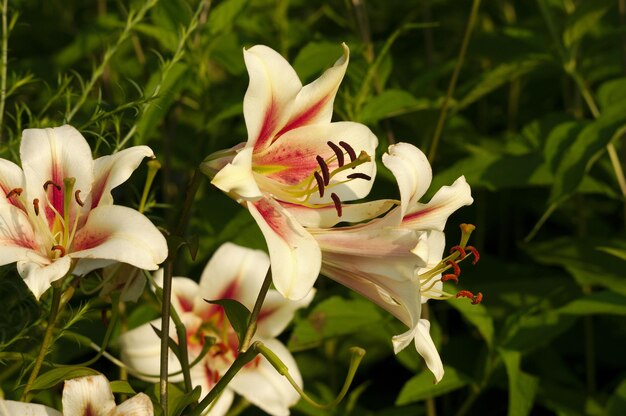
(298, 174)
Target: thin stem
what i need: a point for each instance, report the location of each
(3, 65)
(452, 85)
(47, 339)
(254, 316)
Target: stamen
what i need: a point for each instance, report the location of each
(455, 267)
(338, 152)
(15, 191)
(320, 183)
(359, 175)
(36, 206)
(48, 183)
(447, 277)
(474, 253)
(465, 294)
(324, 168)
(60, 249)
(337, 202)
(478, 298)
(460, 250)
(348, 149)
(78, 200)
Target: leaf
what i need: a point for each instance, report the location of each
(584, 19)
(522, 386)
(605, 302)
(392, 103)
(179, 402)
(121, 386)
(315, 57)
(333, 317)
(224, 15)
(611, 92)
(238, 315)
(559, 140)
(53, 377)
(616, 405)
(422, 386)
(478, 316)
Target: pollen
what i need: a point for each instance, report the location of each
(59, 248)
(338, 153)
(77, 198)
(337, 203)
(349, 150)
(475, 253)
(49, 183)
(15, 191)
(324, 169)
(36, 206)
(320, 183)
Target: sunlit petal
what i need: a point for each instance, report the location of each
(88, 396)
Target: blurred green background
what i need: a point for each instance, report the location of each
(534, 122)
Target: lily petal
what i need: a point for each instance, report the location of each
(264, 387)
(326, 217)
(434, 214)
(113, 170)
(12, 407)
(38, 273)
(273, 87)
(314, 103)
(11, 177)
(277, 312)
(119, 233)
(17, 237)
(426, 348)
(237, 178)
(53, 155)
(294, 253)
(88, 396)
(138, 405)
(200, 376)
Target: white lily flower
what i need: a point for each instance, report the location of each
(294, 155)
(233, 272)
(57, 212)
(396, 260)
(13, 408)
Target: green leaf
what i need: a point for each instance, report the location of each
(559, 140)
(422, 386)
(332, 318)
(478, 316)
(522, 386)
(178, 401)
(224, 15)
(616, 405)
(315, 57)
(606, 302)
(238, 315)
(392, 103)
(611, 92)
(121, 386)
(584, 19)
(53, 377)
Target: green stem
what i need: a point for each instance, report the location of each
(254, 316)
(3, 65)
(47, 339)
(153, 168)
(452, 85)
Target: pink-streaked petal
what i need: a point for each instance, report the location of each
(202, 375)
(295, 255)
(434, 214)
(11, 407)
(412, 171)
(17, 237)
(234, 272)
(277, 312)
(314, 103)
(54, 155)
(185, 294)
(272, 90)
(264, 387)
(11, 177)
(38, 273)
(88, 396)
(113, 170)
(426, 348)
(138, 405)
(119, 233)
(236, 178)
(326, 217)
(292, 159)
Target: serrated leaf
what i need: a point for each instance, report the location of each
(605, 302)
(332, 318)
(522, 386)
(422, 387)
(56, 375)
(121, 386)
(392, 103)
(238, 315)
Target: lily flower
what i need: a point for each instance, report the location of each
(233, 272)
(294, 155)
(396, 260)
(57, 214)
(92, 396)
(12, 407)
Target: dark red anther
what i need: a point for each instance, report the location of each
(48, 183)
(460, 250)
(36, 206)
(320, 183)
(465, 294)
(349, 150)
(455, 267)
(359, 175)
(15, 191)
(477, 299)
(338, 152)
(474, 253)
(77, 197)
(60, 249)
(447, 277)
(324, 168)
(337, 202)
